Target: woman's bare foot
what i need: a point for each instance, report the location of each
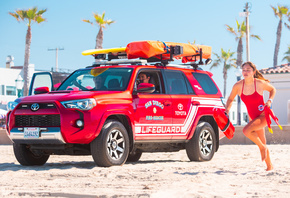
(263, 151)
(270, 167)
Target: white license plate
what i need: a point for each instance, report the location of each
(31, 132)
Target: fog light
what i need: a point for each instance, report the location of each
(80, 123)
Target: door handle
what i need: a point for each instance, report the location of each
(195, 102)
(166, 103)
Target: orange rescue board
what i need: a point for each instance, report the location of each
(148, 49)
(224, 123)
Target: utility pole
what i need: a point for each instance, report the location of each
(56, 56)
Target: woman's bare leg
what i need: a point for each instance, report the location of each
(250, 130)
(261, 135)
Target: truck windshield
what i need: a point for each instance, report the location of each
(98, 79)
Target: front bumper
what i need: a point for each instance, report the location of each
(48, 135)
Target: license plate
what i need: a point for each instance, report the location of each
(31, 132)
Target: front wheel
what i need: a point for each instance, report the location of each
(202, 145)
(27, 158)
(111, 147)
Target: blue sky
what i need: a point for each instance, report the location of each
(176, 21)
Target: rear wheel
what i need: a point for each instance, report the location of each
(202, 145)
(134, 156)
(111, 147)
(26, 158)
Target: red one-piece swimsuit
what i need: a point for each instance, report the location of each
(254, 102)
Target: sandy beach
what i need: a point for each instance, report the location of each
(235, 171)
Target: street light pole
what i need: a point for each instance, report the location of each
(247, 30)
(246, 14)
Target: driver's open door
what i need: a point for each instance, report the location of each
(41, 79)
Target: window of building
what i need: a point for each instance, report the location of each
(10, 90)
(245, 117)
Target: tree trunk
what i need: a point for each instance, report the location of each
(277, 46)
(225, 79)
(240, 53)
(99, 39)
(26, 62)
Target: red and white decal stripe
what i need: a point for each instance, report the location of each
(185, 127)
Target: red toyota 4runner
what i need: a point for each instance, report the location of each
(120, 119)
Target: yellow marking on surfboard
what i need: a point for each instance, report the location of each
(103, 51)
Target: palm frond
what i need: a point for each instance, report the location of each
(275, 11)
(15, 15)
(31, 13)
(287, 26)
(256, 36)
(231, 30)
(40, 12)
(88, 21)
(39, 19)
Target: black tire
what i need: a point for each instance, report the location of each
(26, 158)
(111, 147)
(134, 156)
(202, 145)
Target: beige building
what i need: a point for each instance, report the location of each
(279, 77)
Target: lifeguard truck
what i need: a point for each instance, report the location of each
(123, 118)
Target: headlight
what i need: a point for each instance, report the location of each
(84, 104)
(11, 105)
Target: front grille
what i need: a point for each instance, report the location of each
(41, 106)
(37, 120)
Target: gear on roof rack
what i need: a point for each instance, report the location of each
(152, 51)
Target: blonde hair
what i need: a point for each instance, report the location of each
(257, 73)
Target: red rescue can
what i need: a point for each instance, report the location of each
(224, 122)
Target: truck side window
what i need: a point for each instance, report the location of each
(206, 83)
(154, 78)
(177, 83)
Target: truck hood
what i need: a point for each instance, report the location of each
(72, 95)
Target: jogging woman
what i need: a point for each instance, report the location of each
(251, 89)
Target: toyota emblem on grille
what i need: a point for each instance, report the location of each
(34, 107)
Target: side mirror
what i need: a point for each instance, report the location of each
(41, 90)
(145, 88)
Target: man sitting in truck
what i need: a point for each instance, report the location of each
(99, 83)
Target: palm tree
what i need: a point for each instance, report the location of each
(28, 16)
(226, 59)
(280, 12)
(287, 57)
(240, 33)
(101, 22)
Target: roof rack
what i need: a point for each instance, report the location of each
(118, 62)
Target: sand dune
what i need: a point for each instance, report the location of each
(235, 171)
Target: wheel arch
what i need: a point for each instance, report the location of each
(127, 123)
(209, 119)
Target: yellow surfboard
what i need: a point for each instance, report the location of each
(103, 51)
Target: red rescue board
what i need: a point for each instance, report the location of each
(224, 123)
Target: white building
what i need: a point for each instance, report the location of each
(8, 76)
(279, 77)
(233, 115)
